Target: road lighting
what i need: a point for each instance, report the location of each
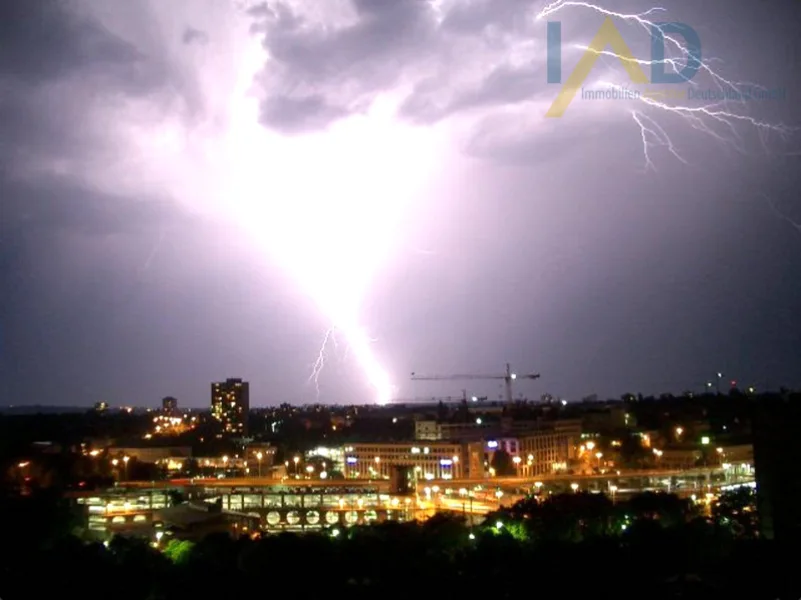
(574, 487)
(125, 460)
(259, 456)
(296, 460)
(613, 489)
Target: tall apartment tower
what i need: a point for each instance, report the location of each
(169, 405)
(230, 404)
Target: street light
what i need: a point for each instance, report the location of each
(574, 487)
(125, 460)
(296, 460)
(259, 456)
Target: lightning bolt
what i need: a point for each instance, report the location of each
(154, 251)
(358, 343)
(781, 215)
(322, 356)
(718, 120)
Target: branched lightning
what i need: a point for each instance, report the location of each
(781, 215)
(322, 355)
(718, 120)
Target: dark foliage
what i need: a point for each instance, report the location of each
(583, 543)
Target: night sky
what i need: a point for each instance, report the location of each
(196, 190)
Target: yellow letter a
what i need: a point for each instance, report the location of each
(607, 35)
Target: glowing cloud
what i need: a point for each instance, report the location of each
(326, 205)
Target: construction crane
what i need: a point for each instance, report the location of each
(507, 378)
(437, 399)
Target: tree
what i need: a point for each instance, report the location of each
(668, 509)
(632, 453)
(179, 551)
(191, 467)
(502, 463)
(736, 511)
(175, 497)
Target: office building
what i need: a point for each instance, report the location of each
(435, 460)
(230, 404)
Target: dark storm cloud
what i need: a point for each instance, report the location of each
(195, 36)
(503, 85)
(59, 66)
(296, 115)
(463, 62)
(477, 15)
(52, 204)
(318, 75)
(41, 40)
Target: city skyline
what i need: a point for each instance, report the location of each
(193, 192)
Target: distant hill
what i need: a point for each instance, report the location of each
(42, 410)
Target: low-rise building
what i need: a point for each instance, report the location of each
(260, 457)
(431, 430)
(194, 521)
(151, 454)
(547, 451)
(432, 460)
(478, 429)
(679, 458)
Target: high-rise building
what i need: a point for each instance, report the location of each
(169, 405)
(230, 404)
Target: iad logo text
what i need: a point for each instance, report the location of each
(609, 36)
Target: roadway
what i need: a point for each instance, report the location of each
(382, 485)
(256, 482)
(559, 477)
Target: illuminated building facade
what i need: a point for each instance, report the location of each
(545, 452)
(333, 458)
(549, 450)
(435, 460)
(230, 404)
(427, 430)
